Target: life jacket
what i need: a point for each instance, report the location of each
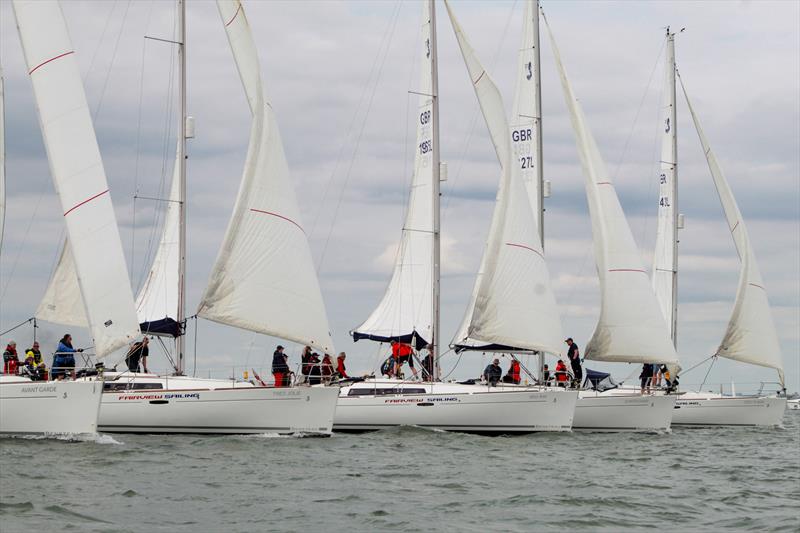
(401, 350)
(10, 360)
(561, 372)
(514, 371)
(386, 367)
(340, 367)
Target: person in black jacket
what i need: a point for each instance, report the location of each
(280, 367)
(492, 373)
(574, 356)
(138, 352)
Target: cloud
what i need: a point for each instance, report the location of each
(740, 62)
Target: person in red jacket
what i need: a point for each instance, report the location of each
(402, 353)
(561, 374)
(10, 359)
(340, 368)
(513, 375)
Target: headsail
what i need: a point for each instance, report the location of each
(405, 312)
(62, 302)
(264, 278)
(78, 174)
(157, 301)
(751, 336)
(513, 304)
(665, 256)
(631, 327)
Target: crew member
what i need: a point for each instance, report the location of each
(138, 352)
(34, 351)
(561, 373)
(646, 376)
(513, 375)
(546, 374)
(402, 353)
(574, 356)
(280, 367)
(10, 358)
(492, 372)
(64, 358)
(340, 368)
(427, 365)
(326, 368)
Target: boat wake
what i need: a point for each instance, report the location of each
(95, 438)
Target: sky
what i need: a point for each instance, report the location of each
(339, 76)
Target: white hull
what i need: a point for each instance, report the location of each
(454, 407)
(192, 405)
(708, 409)
(44, 407)
(605, 411)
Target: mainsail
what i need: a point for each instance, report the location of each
(751, 336)
(405, 312)
(157, 301)
(78, 174)
(264, 278)
(513, 306)
(631, 327)
(2, 160)
(665, 256)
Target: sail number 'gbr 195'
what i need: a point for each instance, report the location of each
(426, 144)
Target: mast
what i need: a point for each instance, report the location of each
(436, 195)
(180, 341)
(537, 124)
(673, 117)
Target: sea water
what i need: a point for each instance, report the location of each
(407, 479)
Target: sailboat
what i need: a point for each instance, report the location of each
(70, 406)
(264, 227)
(498, 314)
(750, 336)
(631, 328)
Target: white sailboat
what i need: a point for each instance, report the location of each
(631, 328)
(751, 336)
(77, 169)
(263, 229)
(498, 314)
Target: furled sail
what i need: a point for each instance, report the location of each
(665, 253)
(62, 302)
(514, 307)
(406, 310)
(157, 301)
(264, 278)
(631, 327)
(78, 174)
(751, 336)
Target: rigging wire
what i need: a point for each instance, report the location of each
(388, 38)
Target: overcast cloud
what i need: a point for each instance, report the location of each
(739, 60)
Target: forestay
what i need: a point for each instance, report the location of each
(751, 336)
(513, 304)
(631, 327)
(264, 279)
(405, 312)
(78, 174)
(665, 253)
(157, 301)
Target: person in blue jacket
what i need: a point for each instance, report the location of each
(64, 359)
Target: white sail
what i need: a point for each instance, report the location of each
(157, 301)
(62, 302)
(524, 115)
(631, 327)
(665, 253)
(751, 336)
(514, 305)
(2, 160)
(78, 174)
(264, 278)
(406, 310)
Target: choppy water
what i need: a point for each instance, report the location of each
(407, 479)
